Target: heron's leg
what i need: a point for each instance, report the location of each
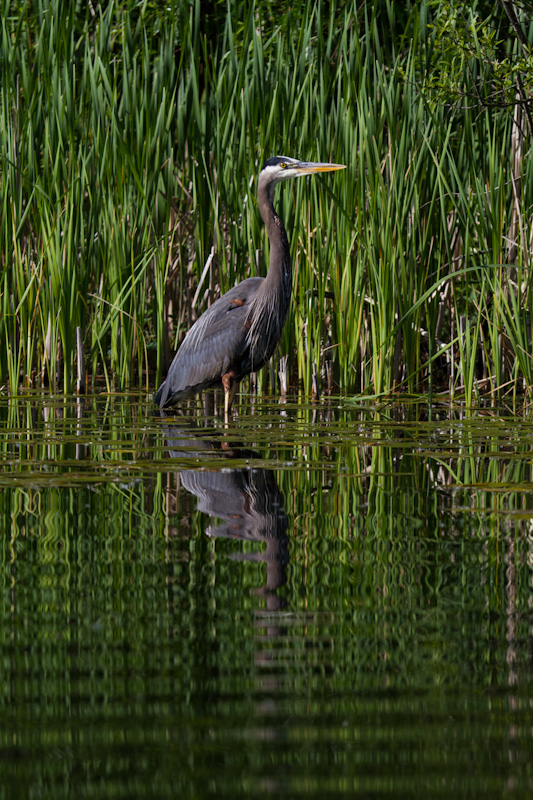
(230, 387)
(233, 392)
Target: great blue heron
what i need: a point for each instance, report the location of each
(239, 332)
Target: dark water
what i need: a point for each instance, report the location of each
(317, 601)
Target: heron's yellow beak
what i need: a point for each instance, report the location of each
(308, 167)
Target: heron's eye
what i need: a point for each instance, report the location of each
(283, 165)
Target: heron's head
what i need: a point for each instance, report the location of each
(280, 168)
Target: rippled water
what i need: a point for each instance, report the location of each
(315, 601)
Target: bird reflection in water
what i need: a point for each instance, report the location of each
(247, 499)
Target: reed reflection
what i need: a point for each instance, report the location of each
(248, 500)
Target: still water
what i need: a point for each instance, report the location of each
(316, 601)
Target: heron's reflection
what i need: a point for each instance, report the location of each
(247, 499)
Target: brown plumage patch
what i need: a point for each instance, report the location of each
(237, 303)
(227, 379)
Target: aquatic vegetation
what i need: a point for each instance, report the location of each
(130, 138)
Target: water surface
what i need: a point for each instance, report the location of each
(318, 600)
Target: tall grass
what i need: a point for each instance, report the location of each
(130, 140)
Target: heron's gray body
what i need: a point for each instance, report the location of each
(239, 332)
(239, 355)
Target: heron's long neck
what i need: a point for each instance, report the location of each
(278, 281)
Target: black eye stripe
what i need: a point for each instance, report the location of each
(277, 161)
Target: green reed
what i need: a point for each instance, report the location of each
(130, 141)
